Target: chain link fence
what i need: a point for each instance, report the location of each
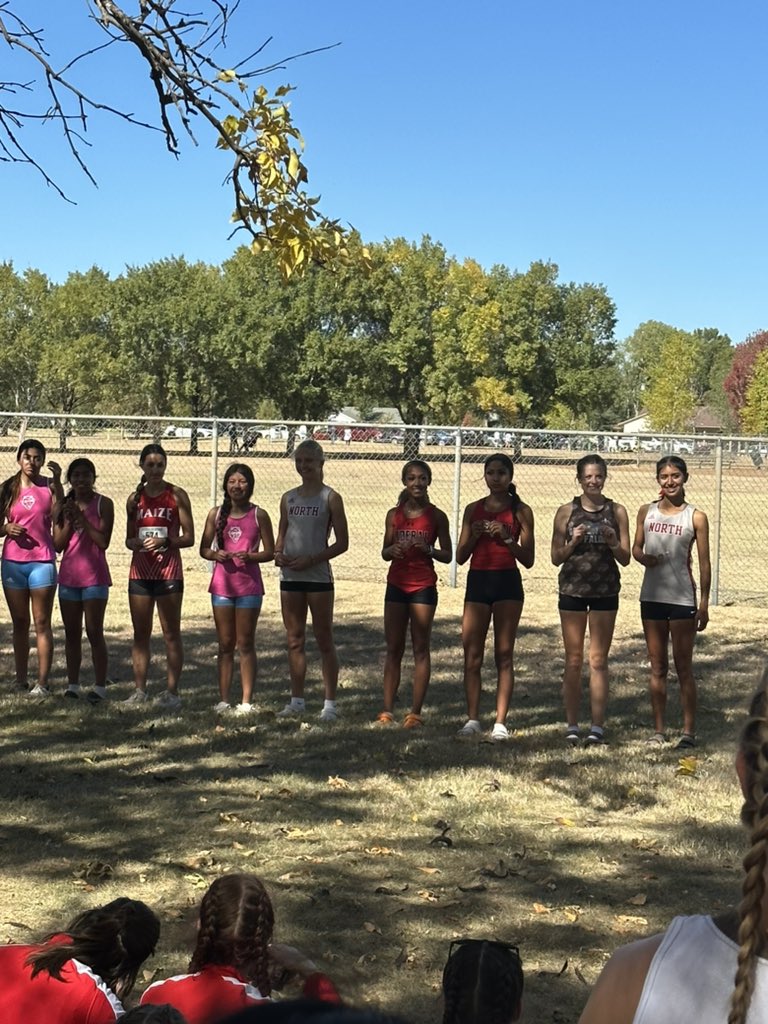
(364, 460)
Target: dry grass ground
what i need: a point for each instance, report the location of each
(568, 853)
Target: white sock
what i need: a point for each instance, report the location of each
(297, 702)
(329, 704)
(101, 690)
(73, 688)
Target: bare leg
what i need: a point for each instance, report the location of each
(94, 630)
(42, 608)
(395, 626)
(294, 605)
(506, 616)
(573, 626)
(657, 638)
(224, 618)
(321, 607)
(18, 606)
(600, 638)
(245, 630)
(474, 630)
(169, 613)
(72, 617)
(422, 616)
(142, 609)
(683, 635)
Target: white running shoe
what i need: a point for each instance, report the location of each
(244, 709)
(169, 701)
(499, 733)
(221, 707)
(40, 691)
(290, 711)
(329, 715)
(470, 728)
(137, 697)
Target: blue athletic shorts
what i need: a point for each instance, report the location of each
(246, 601)
(28, 575)
(100, 593)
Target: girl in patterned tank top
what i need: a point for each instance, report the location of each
(237, 538)
(666, 531)
(590, 535)
(410, 532)
(82, 531)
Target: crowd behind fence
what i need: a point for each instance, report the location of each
(363, 462)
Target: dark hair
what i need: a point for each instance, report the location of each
(81, 463)
(672, 460)
(148, 449)
(161, 1013)
(753, 748)
(299, 1011)
(423, 466)
(236, 922)
(593, 459)
(226, 505)
(508, 464)
(9, 489)
(482, 983)
(114, 941)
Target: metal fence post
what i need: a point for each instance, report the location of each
(717, 521)
(214, 461)
(456, 507)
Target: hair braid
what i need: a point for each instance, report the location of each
(204, 951)
(482, 984)
(754, 814)
(224, 510)
(9, 492)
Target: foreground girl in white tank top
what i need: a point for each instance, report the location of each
(703, 969)
(666, 532)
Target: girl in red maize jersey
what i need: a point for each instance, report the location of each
(410, 532)
(496, 533)
(235, 962)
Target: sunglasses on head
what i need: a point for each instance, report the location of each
(508, 946)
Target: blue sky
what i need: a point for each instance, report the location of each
(625, 142)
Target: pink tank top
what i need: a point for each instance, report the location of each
(32, 509)
(238, 578)
(83, 563)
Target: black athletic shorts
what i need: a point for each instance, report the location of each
(155, 588)
(659, 611)
(427, 595)
(566, 603)
(487, 586)
(302, 587)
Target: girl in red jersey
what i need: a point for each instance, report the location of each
(159, 525)
(410, 532)
(234, 961)
(29, 558)
(80, 975)
(82, 531)
(237, 538)
(497, 533)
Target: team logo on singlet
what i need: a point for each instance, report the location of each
(28, 501)
(234, 533)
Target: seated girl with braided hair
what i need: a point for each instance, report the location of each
(81, 974)
(482, 983)
(707, 970)
(235, 962)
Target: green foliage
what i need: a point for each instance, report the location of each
(671, 394)
(754, 415)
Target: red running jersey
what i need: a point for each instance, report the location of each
(417, 570)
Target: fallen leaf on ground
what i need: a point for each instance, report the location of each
(539, 908)
(336, 782)
(371, 927)
(501, 870)
(565, 822)
(479, 887)
(379, 851)
(638, 900)
(428, 895)
(687, 766)
(430, 871)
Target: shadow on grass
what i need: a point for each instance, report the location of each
(342, 819)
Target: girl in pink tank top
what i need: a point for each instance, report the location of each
(237, 538)
(29, 559)
(82, 531)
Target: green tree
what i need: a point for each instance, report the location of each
(671, 394)
(754, 415)
(22, 299)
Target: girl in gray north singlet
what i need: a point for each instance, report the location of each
(309, 526)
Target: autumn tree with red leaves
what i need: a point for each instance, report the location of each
(737, 382)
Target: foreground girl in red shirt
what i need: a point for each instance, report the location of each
(234, 961)
(410, 532)
(80, 975)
